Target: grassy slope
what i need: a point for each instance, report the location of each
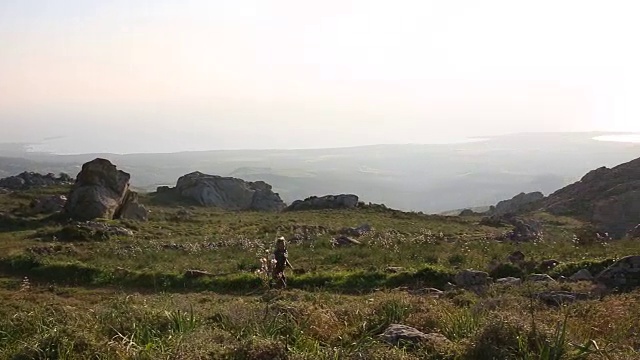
(128, 298)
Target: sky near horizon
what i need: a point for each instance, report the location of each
(158, 75)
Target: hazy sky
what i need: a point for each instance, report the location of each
(159, 75)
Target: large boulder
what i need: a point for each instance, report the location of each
(343, 201)
(101, 191)
(516, 204)
(228, 193)
(624, 273)
(608, 198)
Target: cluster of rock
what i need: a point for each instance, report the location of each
(523, 229)
(27, 180)
(226, 193)
(102, 191)
(343, 201)
(515, 205)
(624, 273)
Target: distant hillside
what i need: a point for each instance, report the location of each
(429, 178)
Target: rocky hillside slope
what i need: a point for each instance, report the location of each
(608, 198)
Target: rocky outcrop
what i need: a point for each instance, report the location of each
(27, 180)
(344, 201)
(608, 198)
(227, 193)
(516, 204)
(624, 273)
(102, 191)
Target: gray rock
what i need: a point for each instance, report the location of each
(469, 278)
(356, 231)
(394, 269)
(516, 204)
(133, 210)
(540, 278)
(624, 273)
(396, 334)
(194, 274)
(344, 201)
(228, 193)
(27, 180)
(100, 191)
(509, 281)
(48, 204)
(581, 275)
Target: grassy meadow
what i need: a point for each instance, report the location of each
(66, 295)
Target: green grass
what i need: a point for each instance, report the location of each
(128, 298)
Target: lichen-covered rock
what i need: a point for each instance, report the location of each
(624, 273)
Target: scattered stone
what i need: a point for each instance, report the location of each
(344, 201)
(102, 191)
(357, 231)
(344, 241)
(469, 278)
(635, 232)
(509, 281)
(581, 275)
(547, 265)
(4, 191)
(624, 273)
(516, 257)
(48, 204)
(540, 278)
(195, 274)
(397, 334)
